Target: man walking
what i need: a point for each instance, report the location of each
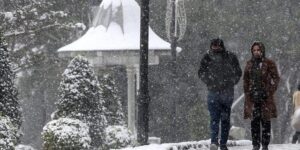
(220, 71)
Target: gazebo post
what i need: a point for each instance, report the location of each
(131, 95)
(137, 72)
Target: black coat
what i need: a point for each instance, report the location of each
(219, 70)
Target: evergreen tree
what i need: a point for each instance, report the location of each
(34, 31)
(80, 98)
(112, 101)
(9, 105)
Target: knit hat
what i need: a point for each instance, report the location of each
(217, 42)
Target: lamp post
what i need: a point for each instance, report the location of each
(173, 40)
(173, 31)
(175, 23)
(175, 26)
(143, 98)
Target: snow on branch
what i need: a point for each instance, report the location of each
(17, 33)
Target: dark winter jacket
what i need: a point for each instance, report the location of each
(219, 70)
(269, 80)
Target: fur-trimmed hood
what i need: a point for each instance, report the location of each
(261, 46)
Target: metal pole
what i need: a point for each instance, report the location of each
(144, 98)
(173, 30)
(173, 68)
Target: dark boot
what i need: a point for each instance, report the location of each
(223, 147)
(256, 147)
(265, 147)
(296, 137)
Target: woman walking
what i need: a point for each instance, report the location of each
(260, 83)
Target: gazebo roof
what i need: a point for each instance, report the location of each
(116, 27)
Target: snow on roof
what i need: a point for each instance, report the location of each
(116, 27)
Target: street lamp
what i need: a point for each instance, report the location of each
(175, 23)
(144, 98)
(175, 27)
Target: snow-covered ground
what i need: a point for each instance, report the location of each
(271, 147)
(192, 145)
(204, 145)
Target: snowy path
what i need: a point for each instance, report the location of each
(247, 147)
(271, 147)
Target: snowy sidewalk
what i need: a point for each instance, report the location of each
(192, 145)
(204, 145)
(271, 147)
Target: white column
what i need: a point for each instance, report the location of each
(131, 93)
(137, 73)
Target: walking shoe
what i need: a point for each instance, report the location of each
(256, 147)
(265, 148)
(223, 147)
(213, 147)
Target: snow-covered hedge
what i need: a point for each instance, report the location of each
(118, 137)
(66, 133)
(24, 147)
(8, 134)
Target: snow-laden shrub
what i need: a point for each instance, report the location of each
(118, 137)
(24, 147)
(9, 102)
(8, 134)
(112, 101)
(79, 98)
(66, 133)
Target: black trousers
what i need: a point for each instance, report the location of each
(296, 137)
(260, 129)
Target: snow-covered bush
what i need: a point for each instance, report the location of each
(8, 134)
(80, 99)
(9, 105)
(112, 101)
(24, 147)
(66, 133)
(118, 137)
